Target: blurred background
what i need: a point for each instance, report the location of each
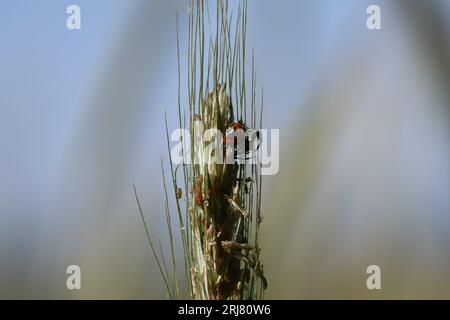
(364, 119)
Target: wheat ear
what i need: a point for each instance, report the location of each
(218, 204)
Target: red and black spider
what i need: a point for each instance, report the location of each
(252, 140)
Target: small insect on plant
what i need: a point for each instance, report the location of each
(218, 205)
(251, 142)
